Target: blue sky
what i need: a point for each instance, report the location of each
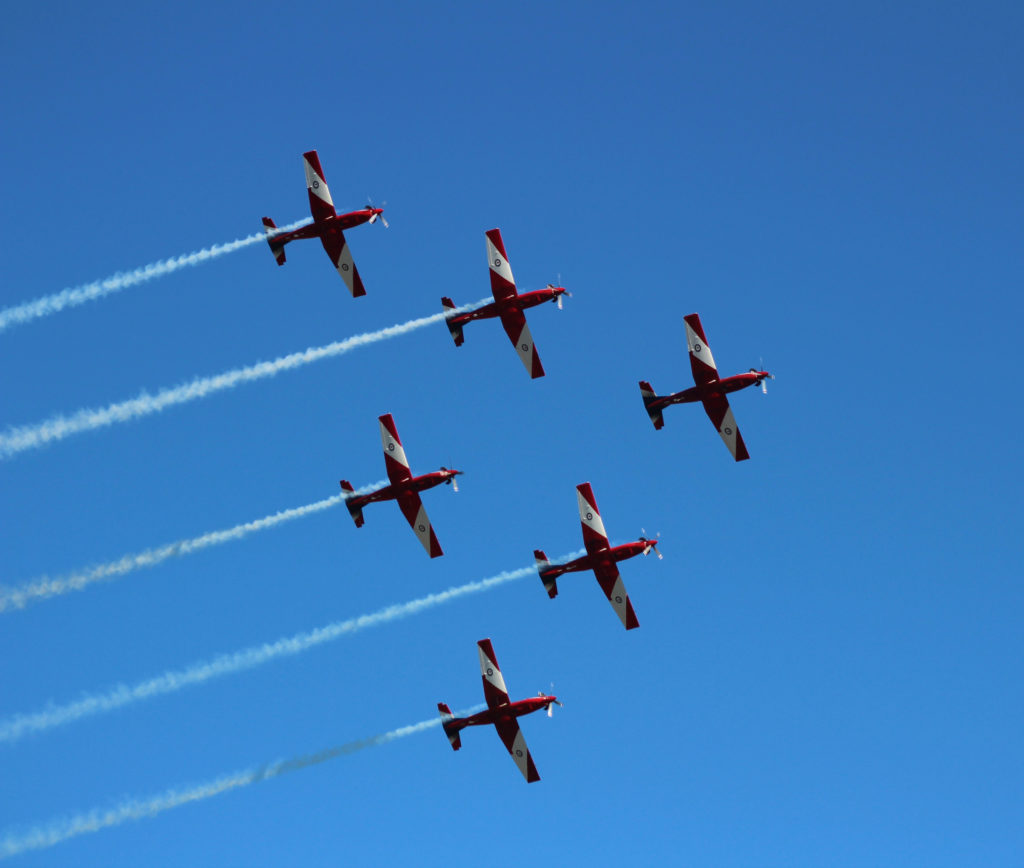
(827, 667)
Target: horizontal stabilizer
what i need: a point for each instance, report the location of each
(276, 247)
(547, 576)
(454, 328)
(448, 724)
(647, 393)
(355, 508)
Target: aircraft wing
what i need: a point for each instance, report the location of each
(320, 203)
(594, 536)
(702, 362)
(412, 508)
(720, 413)
(615, 590)
(512, 737)
(340, 255)
(394, 455)
(494, 685)
(514, 322)
(503, 284)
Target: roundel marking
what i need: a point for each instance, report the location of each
(316, 185)
(518, 752)
(391, 447)
(497, 262)
(618, 599)
(697, 348)
(524, 347)
(344, 266)
(727, 430)
(490, 671)
(590, 516)
(421, 528)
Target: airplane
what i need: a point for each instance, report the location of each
(507, 305)
(710, 390)
(500, 712)
(600, 558)
(327, 225)
(404, 488)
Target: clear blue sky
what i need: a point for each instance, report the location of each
(827, 669)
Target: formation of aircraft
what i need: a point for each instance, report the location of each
(327, 225)
(500, 713)
(404, 487)
(710, 390)
(600, 557)
(508, 306)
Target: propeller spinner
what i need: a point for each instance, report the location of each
(452, 480)
(553, 700)
(373, 217)
(653, 543)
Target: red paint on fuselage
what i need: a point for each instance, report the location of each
(511, 711)
(417, 484)
(712, 389)
(601, 559)
(338, 223)
(523, 301)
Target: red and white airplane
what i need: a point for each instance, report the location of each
(404, 487)
(710, 390)
(500, 712)
(507, 305)
(600, 557)
(327, 225)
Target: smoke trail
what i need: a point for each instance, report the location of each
(56, 831)
(76, 295)
(25, 437)
(175, 679)
(44, 587)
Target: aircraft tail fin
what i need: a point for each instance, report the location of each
(453, 327)
(355, 508)
(448, 724)
(647, 393)
(548, 576)
(276, 247)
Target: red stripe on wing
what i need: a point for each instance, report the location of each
(412, 508)
(593, 540)
(334, 243)
(320, 209)
(501, 288)
(702, 373)
(508, 731)
(717, 406)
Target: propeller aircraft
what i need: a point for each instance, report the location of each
(508, 306)
(500, 712)
(404, 487)
(327, 225)
(600, 557)
(710, 390)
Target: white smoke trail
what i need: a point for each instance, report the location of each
(25, 437)
(76, 295)
(44, 587)
(56, 831)
(174, 680)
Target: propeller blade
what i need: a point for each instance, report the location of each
(455, 484)
(560, 302)
(383, 220)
